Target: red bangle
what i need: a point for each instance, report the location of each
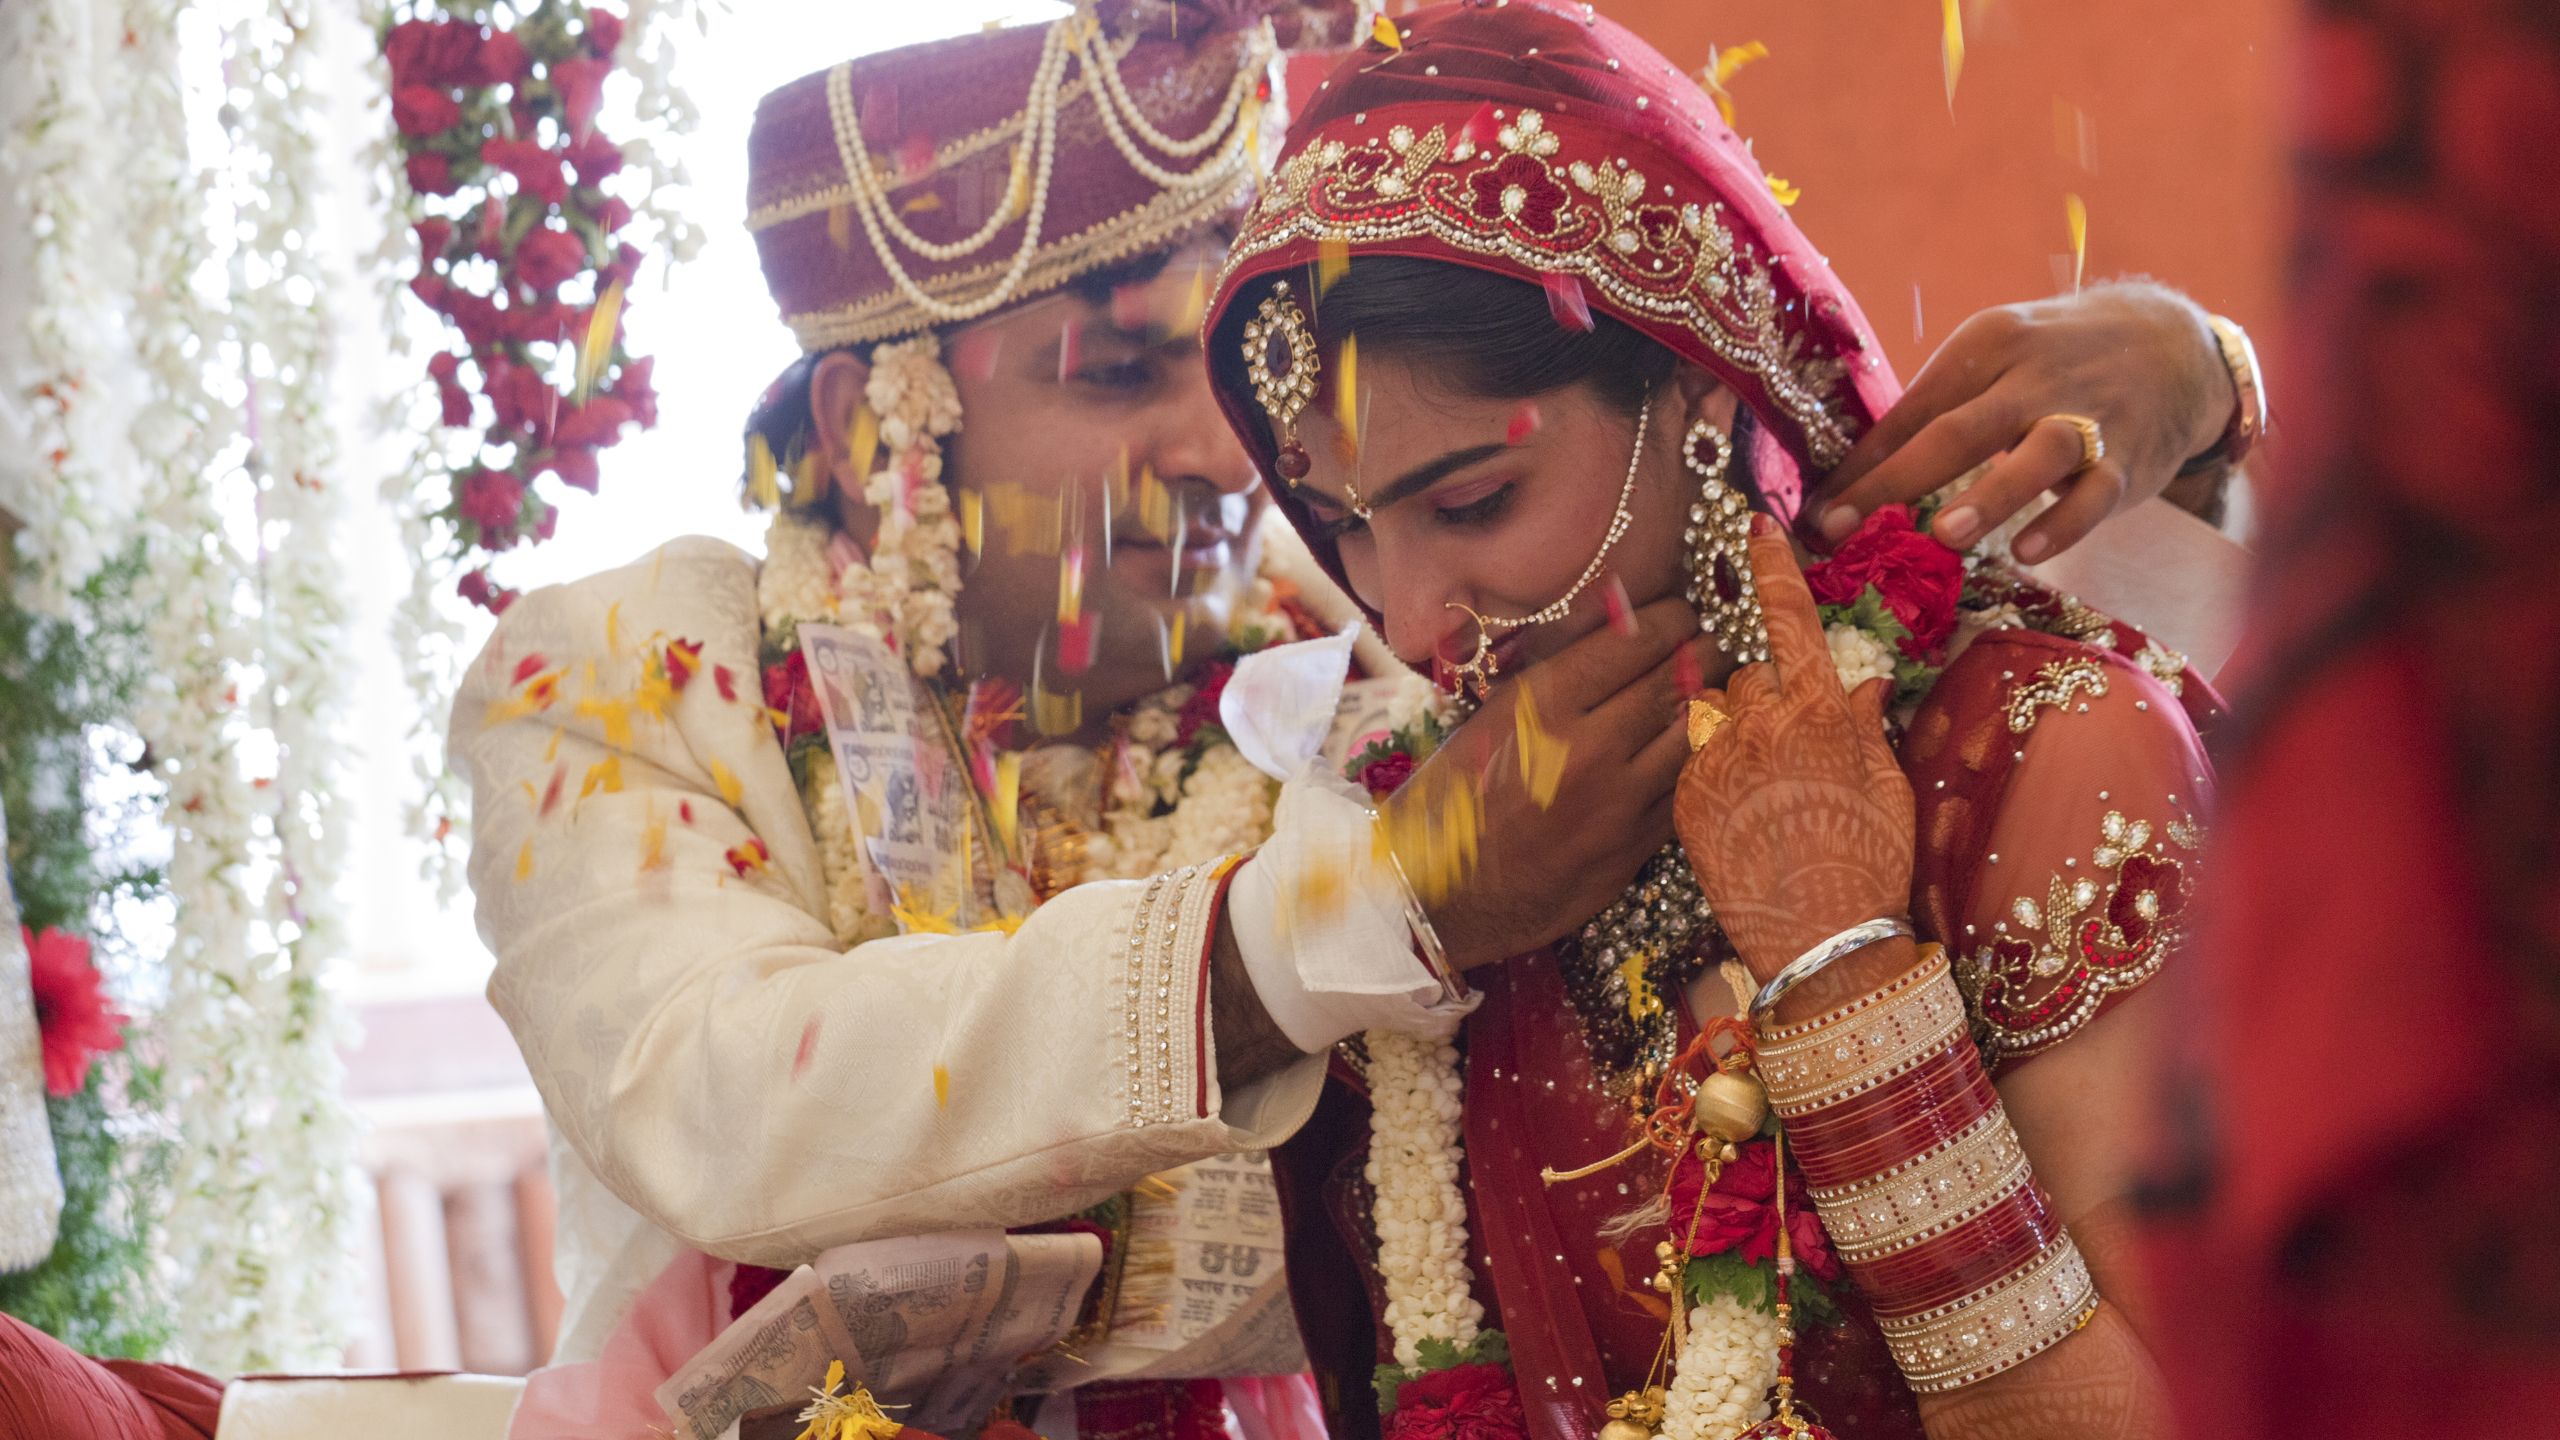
(1935, 1101)
(1985, 1248)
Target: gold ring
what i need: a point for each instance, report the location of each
(2093, 441)
(1704, 721)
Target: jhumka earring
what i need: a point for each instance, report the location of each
(1280, 361)
(1718, 537)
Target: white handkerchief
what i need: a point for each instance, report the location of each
(1278, 706)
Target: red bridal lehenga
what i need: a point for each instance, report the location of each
(2057, 764)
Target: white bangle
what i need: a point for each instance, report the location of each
(1811, 963)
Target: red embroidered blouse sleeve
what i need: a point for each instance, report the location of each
(2061, 798)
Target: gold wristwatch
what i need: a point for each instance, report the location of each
(2249, 416)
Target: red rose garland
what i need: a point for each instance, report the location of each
(519, 253)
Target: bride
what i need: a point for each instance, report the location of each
(1936, 825)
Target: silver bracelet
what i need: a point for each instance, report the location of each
(1435, 956)
(1812, 962)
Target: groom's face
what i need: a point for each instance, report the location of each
(1118, 511)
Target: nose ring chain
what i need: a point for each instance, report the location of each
(1478, 672)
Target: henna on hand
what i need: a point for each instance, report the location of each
(1795, 816)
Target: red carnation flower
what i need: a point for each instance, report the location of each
(594, 157)
(427, 52)
(626, 263)
(1201, 710)
(579, 82)
(537, 170)
(1463, 1402)
(456, 400)
(492, 500)
(480, 590)
(522, 400)
(599, 422)
(793, 699)
(431, 290)
(482, 324)
(1918, 579)
(500, 61)
(613, 214)
(545, 258)
(576, 467)
(75, 1022)
(431, 174)
(632, 385)
(434, 234)
(604, 33)
(424, 110)
(1741, 1212)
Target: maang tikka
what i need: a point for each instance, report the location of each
(1718, 540)
(1280, 361)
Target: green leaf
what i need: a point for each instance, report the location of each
(1490, 1347)
(1756, 1286)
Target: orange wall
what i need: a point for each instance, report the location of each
(2183, 102)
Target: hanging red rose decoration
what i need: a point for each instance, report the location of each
(1741, 1213)
(75, 1021)
(506, 163)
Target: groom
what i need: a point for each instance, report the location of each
(739, 1069)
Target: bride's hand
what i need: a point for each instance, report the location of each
(1794, 815)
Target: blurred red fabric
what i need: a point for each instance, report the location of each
(2357, 1225)
(50, 1392)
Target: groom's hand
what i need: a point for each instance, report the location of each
(1566, 809)
(2133, 356)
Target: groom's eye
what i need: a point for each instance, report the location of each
(1118, 375)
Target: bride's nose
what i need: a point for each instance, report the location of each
(1422, 625)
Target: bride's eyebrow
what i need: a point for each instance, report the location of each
(1418, 479)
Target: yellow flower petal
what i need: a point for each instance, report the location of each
(1383, 30)
(2075, 214)
(1542, 756)
(597, 349)
(863, 444)
(1346, 394)
(1333, 259)
(1951, 47)
(524, 863)
(941, 1085)
(764, 488)
(1787, 194)
(731, 792)
(1006, 802)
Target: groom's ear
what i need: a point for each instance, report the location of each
(835, 400)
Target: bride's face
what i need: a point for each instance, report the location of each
(1499, 505)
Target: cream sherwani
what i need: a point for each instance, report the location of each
(718, 1072)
